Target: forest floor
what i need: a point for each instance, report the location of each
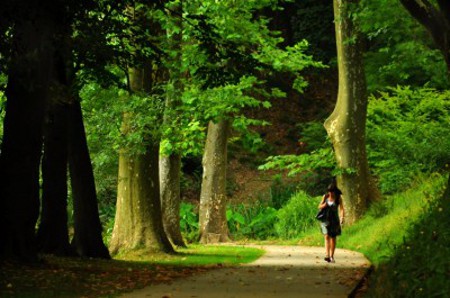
(283, 271)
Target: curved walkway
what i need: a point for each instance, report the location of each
(283, 271)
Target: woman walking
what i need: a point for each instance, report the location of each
(331, 226)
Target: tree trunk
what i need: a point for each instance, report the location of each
(138, 223)
(87, 240)
(26, 93)
(213, 199)
(170, 165)
(170, 168)
(52, 236)
(346, 125)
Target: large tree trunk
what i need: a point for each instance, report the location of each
(170, 168)
(26, 93)
(87, 240)
(213, 199)
(138, 223)
(346, 125)
(52, 236)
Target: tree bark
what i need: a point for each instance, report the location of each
(26, 93)
(346, 125)
(87, 240)
(213, 199)
(52, 236)
(170, 165)
(170, 169)
(138, 223)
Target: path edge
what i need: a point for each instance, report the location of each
(362, 281)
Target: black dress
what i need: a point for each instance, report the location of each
(331, 226)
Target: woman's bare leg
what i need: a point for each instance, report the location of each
(332, 246)
(327, 246)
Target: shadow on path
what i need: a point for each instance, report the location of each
(284, 271)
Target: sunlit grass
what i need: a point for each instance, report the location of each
(197, 254)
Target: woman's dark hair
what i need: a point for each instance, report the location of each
(331, 188)
(334, 189)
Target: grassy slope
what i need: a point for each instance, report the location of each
(406, 237)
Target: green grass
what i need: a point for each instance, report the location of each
(198, 255)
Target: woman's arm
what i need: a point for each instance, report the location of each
(323, 204)
(341, 210)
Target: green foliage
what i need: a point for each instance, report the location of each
(297, 216)
(261, 222)
(107, 212)
(261, 225)
(254, 222)
(244, 221)
(322, 159)
(281, 192)
(314, 167)
(223, 48)
(400, 50)
(189, 222)
(235, 219)
(407, 133)
(243, 134)
(313, 135)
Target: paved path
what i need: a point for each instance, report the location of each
(284, 271)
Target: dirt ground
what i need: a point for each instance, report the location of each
(283, 271)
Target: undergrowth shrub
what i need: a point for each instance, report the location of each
(407, 134)
(189, 222)
(281, 191)
(297, 216)
(107, 214)
(255, 221)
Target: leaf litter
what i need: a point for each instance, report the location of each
(77, 277)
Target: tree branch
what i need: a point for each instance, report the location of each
(424, 12)
(437, 22)
(444, 6)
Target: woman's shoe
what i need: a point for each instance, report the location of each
(328, 259)
(331, 260)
